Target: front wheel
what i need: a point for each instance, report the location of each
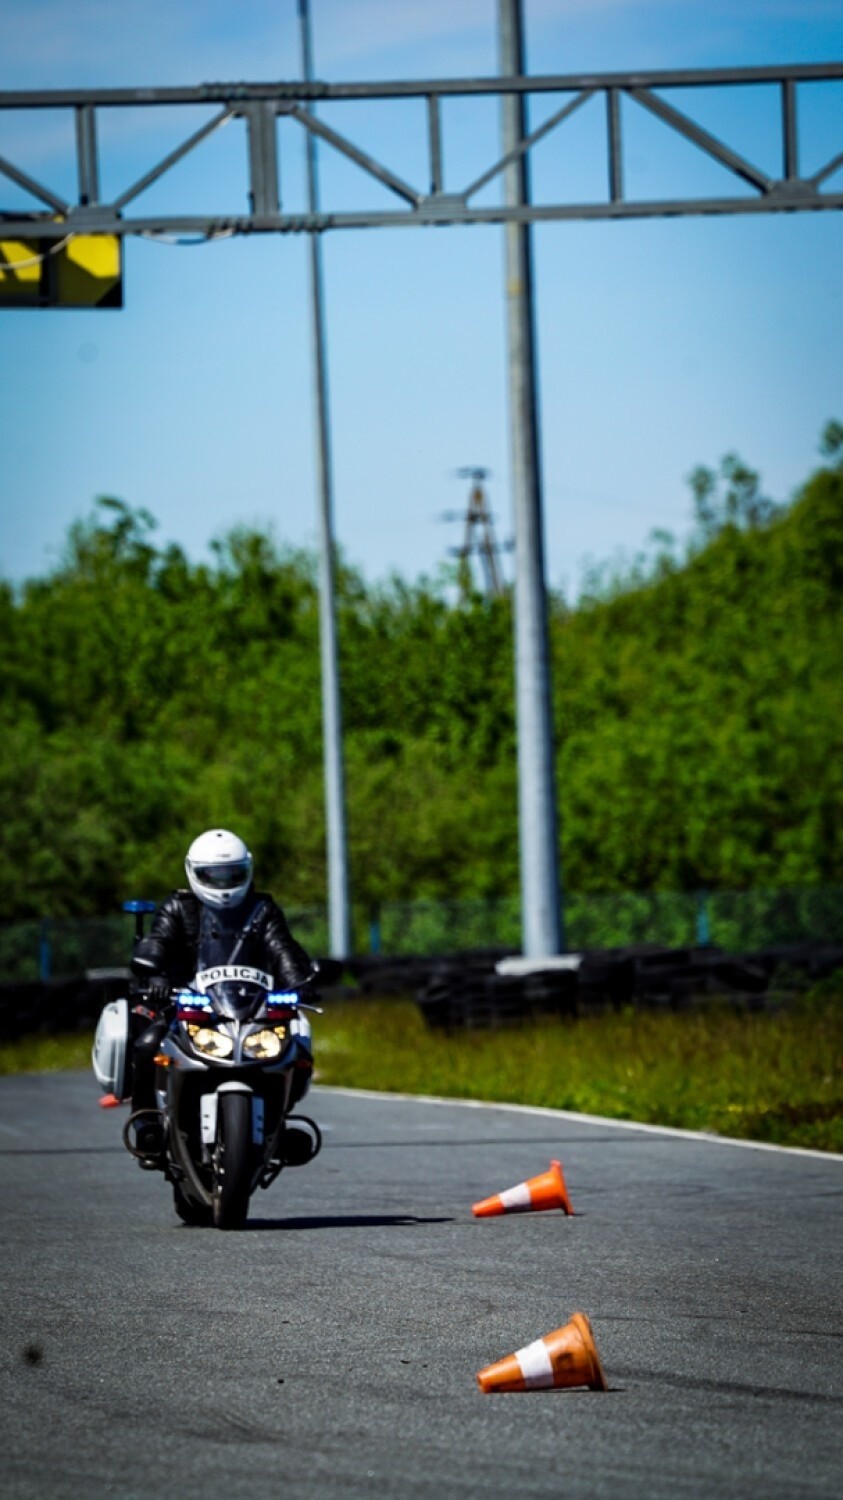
(232, 1160)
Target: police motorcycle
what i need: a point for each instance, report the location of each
(235, 1061)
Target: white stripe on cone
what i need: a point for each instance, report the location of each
(535, 1364)
(516, 1197)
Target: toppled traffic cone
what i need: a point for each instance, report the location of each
(568, 1356)
(548, 1190)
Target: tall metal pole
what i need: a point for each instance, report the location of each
(541, 914)
(339, 912)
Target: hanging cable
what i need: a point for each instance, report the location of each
(11, 267)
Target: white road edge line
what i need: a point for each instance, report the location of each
(567, 1114)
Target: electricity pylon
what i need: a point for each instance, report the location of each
(478, 537)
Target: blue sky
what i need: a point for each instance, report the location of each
(663, 344)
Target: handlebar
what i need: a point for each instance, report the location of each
(168, 1006)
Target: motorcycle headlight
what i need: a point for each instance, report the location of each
(212, 1043)
(262, 1045)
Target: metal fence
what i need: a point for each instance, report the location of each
(732, 920)
(735, 921)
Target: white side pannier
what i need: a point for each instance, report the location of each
(110, 1055)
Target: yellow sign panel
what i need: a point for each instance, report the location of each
(20, 273)
(83, 271)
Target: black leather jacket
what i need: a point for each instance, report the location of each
(171, 947)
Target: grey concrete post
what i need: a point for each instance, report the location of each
(541, 915)
(339, 911)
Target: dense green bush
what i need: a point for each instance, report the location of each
(697, 701)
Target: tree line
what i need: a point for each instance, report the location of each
(697, 704)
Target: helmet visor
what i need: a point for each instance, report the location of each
(222, 877)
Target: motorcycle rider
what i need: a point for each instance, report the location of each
(221, 919)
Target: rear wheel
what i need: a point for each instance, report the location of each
(197, 1214)
(232, 1160)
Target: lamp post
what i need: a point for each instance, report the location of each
(339, 917)
(541, 910)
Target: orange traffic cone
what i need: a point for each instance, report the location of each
(568, 1356)
(548, 1190)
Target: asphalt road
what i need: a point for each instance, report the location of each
(330, 1349)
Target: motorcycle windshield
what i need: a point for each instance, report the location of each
(236, 1000)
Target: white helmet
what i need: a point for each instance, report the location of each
(219, 868)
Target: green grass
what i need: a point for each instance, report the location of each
(768, 1077)
(47, 1054)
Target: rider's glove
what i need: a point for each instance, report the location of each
(158, 991)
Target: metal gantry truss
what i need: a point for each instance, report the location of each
(53, 219)
(262, 105)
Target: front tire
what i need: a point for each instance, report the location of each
(232, 1160)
